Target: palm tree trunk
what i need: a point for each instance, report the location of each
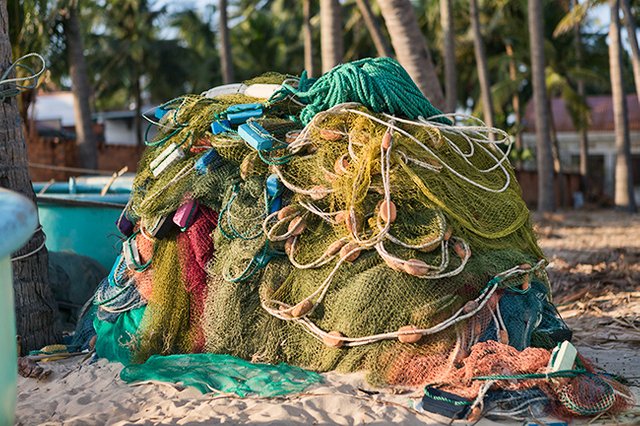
(624, 194)
(331, 43)
(137, 119)
(411, 47)
(225, 47)
(449, 54)
(633, 41)
(380, 42)
(515, 99)
(86, 142)
(583, 130)
(308, 38)
(546, 195)
(557, 161)
(481, 64)
(36, 309)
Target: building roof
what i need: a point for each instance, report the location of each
(601, 114)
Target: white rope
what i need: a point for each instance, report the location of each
(433, 154)
(366, 240)
(36, 250)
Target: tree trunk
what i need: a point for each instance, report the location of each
(331, 44)
(382, 47)
(36, 309)
(546, 196)
(557, 161)
(624, 194)
(630, 24)
(411, 47)
(137, 119)
(308, 38)
(583, 130)
(449, 55)
(481, 64)
(515, 99)
(86, 141)
(225, 48)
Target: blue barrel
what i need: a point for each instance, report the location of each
(83, 224)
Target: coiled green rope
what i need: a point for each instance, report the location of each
(380, 84)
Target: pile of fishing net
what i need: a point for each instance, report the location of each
(345, 224)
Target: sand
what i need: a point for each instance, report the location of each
(94, 394)
(595, 269)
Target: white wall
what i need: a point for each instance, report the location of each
(119, 132)
(600, 143)
(53, 107)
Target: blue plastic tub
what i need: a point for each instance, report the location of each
(83, 224)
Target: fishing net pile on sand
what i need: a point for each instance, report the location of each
(343, 224)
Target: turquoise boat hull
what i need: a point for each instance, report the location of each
(83, 224)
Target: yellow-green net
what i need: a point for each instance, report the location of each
(359, 241)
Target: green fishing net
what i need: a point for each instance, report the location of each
(355, 236)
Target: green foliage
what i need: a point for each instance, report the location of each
(167, 48)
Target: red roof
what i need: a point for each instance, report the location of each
(601, 114)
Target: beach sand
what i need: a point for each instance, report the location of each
(595, 270)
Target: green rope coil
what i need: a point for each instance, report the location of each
(380, 84)
(533, 376)
(444, 399)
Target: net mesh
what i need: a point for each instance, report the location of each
(399, 247)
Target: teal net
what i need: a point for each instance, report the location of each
(222, 373)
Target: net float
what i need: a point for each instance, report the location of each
(436, 141)
(286, 211)
(394, 264)
(503, 335)
(352, 224)
(416, 267)
(470, 306)
(333, 339)
(318, 192)
(335, 247)
(477, 327)
(525, 267)
(460, 250)
(388, 212)
(341, 216)
(282, 310)
(525, 283)
(448, 233)
(330, 135)
(475, 414)
(328, 176)
(341, 164)
(288, 245)
(301, 308)
(410, 337)
(291, 136)
(386, 140)
(431, 247)
(461, 355)
(246, 167)
(346, 249)
(297, 226)
(432, 162)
